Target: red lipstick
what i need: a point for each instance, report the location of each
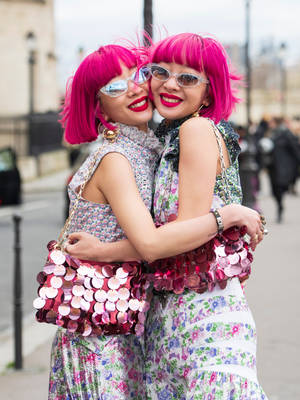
(165, 97)
(136, 107)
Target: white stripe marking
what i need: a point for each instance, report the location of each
(9, 211)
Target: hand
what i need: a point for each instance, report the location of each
(235, 214)
(84, 246)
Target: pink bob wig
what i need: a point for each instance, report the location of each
(206, 55)
(81, 113)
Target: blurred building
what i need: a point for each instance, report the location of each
(18, 18)
(29, 99)
(275, 84)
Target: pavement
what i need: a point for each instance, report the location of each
(272, 293)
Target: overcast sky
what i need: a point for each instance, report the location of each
(91, 23)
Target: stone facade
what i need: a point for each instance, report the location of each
(17, 19)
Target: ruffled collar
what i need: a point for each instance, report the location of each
(170, 129)
(145, 139)
(168, 126)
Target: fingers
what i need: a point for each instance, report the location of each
(257, 235)
(75, 236)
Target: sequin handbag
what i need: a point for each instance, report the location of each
(225, 256)
(91, 298)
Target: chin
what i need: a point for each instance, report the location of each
(169, 113)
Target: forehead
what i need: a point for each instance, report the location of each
(125, 73)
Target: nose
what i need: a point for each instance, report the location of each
(171, 84)
(133, 88)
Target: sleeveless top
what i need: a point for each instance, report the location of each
(142, 150)
(221, 258)
(165, 203)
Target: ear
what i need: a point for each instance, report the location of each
(206, 101)
(100, 112)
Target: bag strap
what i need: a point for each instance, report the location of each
(225, 193)
(62, 235)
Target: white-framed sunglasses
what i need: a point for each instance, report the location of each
(120, 87)
(184, 79)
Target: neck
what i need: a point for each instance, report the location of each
(143, 127)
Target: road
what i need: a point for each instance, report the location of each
(42, 218)
(274, 298)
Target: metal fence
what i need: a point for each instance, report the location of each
(31, 135)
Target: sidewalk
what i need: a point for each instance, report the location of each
(53, 182)
(272, 292)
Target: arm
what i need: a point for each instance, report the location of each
(118, 185)
(199, 163)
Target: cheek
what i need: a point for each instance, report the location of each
(154, 86)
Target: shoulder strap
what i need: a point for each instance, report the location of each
(225, 193)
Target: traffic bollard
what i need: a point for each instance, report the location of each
(17, 294)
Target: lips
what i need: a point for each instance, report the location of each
(139, 105)
(170, 100)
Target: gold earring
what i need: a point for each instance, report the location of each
(197, 113)
(108, 134)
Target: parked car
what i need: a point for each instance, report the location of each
(10, 179)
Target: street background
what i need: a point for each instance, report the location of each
(272, 292)
(44, 42)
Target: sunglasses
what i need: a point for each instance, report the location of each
(120, 87)
(184, 79)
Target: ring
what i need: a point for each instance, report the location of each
(255, 237)
(265, 231)
(263, 219)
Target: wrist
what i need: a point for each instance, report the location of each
(219, 221)
(229, 215)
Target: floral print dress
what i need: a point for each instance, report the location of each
(199, 346)
(104, 367)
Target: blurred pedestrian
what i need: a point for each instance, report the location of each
(284, 161)
(249, 167)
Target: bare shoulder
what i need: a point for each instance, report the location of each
(114, 165)
(113, 159)
(197, 126)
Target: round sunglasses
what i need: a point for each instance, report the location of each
(183, 79)
(120, 87)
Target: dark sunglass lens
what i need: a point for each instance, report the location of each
(159, 72)
(187, 80)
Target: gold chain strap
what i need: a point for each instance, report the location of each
(225, 192)
(62, 235)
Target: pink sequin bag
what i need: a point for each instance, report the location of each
(91, 298)
(222, 258)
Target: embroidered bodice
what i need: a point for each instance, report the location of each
(165, 203)
(142, 151)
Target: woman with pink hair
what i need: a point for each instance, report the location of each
(198, 345)
(108, 96)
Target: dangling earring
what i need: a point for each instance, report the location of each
(109, 134)
(197, 113)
